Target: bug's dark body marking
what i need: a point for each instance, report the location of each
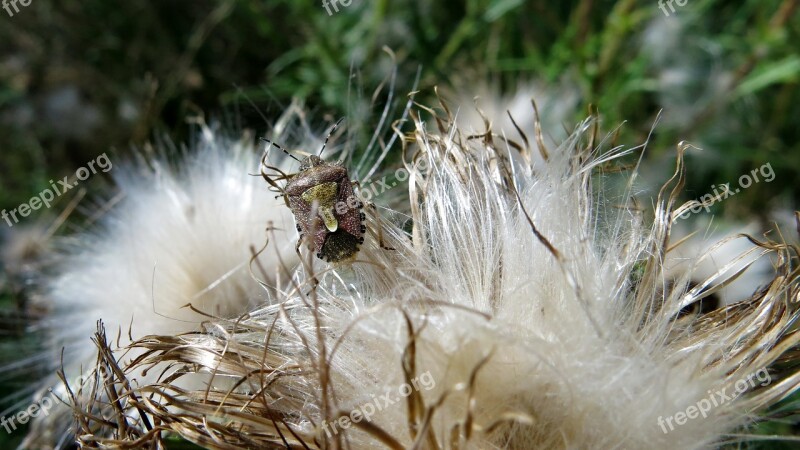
(338, 227)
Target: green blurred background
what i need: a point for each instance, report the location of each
(80, 78)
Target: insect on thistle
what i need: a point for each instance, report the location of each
(324, 204)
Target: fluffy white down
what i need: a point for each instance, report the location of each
(548, 326)
(181, 233)
(546, 341)
(561, 367)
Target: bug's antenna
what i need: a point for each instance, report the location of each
(280, 148)
(329, 136)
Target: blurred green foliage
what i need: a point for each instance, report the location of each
(78, 78)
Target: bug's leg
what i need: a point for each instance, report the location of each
(378, 220)
(297, 246)
(380, 227)
(283, 176)
(271, 181)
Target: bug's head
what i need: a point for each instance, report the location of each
(310, 161)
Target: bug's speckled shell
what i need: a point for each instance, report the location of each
(332, 246)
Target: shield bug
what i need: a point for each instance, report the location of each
(324, 204)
